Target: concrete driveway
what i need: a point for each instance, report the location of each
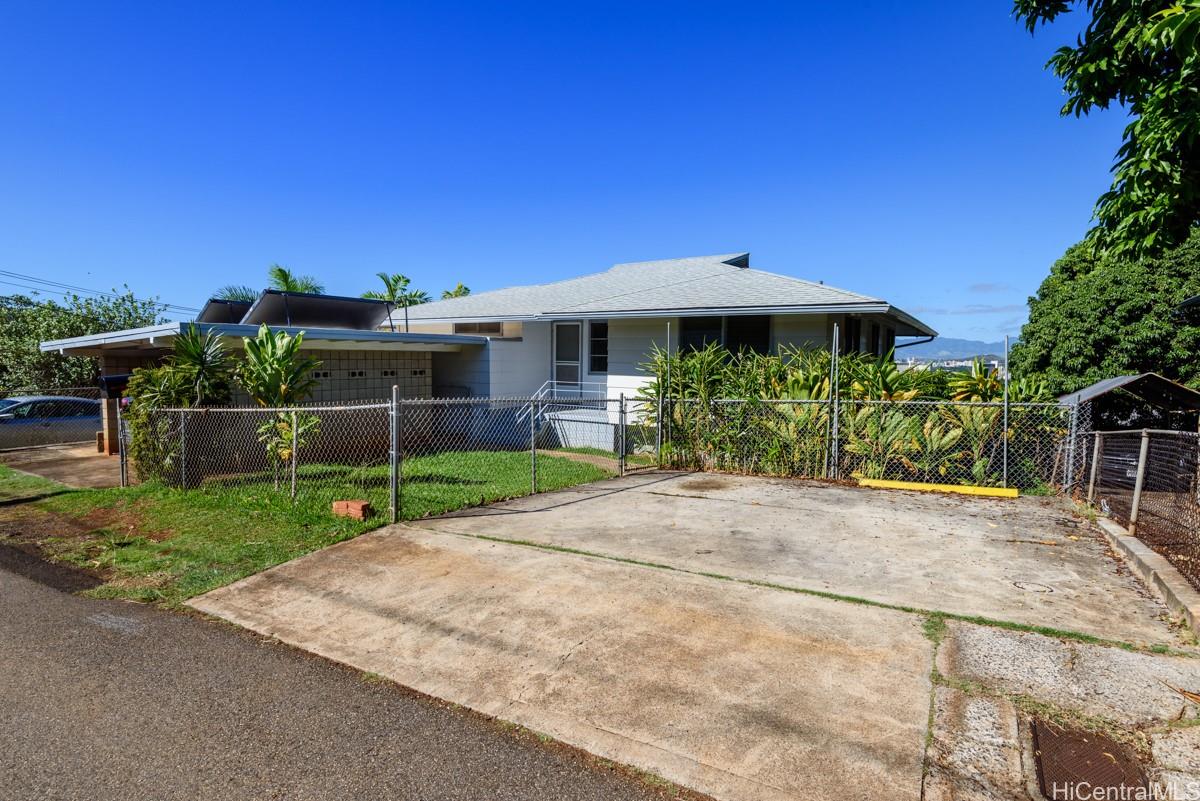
(680, 644)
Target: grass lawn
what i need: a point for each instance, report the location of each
(157, 544)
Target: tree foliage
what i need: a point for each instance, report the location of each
(25, 322)
(236, 292)
(460, 290)
(1096, 317)
(398, 289)
(285, 280)
(1141, 55)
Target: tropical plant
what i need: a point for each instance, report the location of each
(236, 292)
(460, 290)
(1142, 55)
(276, 373)
(933, 448)
(879, 436)
(397, 290)
(982, 384)
(284, 280)
(201, 359)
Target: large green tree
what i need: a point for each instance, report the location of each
(25, 322)
(1097, 317)
(1140, 55)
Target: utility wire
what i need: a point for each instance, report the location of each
(59, 288)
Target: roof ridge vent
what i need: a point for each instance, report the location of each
(742, 261)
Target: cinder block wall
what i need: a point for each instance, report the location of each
(344, 375)
(369, 375)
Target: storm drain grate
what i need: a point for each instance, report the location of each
(1075, 764)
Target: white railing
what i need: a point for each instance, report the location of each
(566, 390)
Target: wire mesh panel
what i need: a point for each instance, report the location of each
(764, 437)
(308, 455)
(922, 441)
(31, 417)
(1116, 473)
(1167, 504)
(458, 453)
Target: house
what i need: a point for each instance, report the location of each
(359, 361)
(593, 334)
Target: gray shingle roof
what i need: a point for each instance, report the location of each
(672, 286)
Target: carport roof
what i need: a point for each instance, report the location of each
(157, 337)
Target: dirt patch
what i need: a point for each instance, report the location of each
(34, 541)
(702, 484)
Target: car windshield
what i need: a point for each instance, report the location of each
(7, 402)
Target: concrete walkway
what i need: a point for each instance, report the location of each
(736, 691)
(649, 620)
(76, 465)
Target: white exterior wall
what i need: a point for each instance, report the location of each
(630, 343)
(519, 367)
(791, 330)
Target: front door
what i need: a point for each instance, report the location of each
(568, 342)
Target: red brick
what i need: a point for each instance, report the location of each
(356, 510)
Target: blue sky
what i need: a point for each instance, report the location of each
(909, 150)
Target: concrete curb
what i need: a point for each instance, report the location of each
(1156, 572)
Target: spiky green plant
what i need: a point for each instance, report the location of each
(285, 280)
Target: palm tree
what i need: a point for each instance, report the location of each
(236, 292)
(285, 280)
(397, 292)
(461, 290)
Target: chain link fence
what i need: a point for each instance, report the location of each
(1025, 445)
(406, 458)
(1149, 482)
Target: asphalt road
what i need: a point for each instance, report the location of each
(110, 700)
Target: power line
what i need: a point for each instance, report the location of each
(66, 290)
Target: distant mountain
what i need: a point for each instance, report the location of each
(950, 348)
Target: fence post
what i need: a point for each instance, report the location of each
(658, 432)
(183, 450)
(122, 455)
(1141, 479)
(394, 454)
(832, 471)
(1091, 496)
(1004, 441)
(621, 435)
(1072, 433)
(295, 457)
(533, 413)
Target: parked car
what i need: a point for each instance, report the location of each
(46, 420)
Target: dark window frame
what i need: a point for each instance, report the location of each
(593, 339)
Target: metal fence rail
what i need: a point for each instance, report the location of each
(1149, 482)
(411, 458)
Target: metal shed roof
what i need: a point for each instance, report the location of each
(1149, 387)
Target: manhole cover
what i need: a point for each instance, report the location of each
(1074, 764)
(1032, 586)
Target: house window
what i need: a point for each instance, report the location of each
(875, 341)
(597, 347)
(697, 332)
(851, 335)
(480, 329)
(750, 332)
